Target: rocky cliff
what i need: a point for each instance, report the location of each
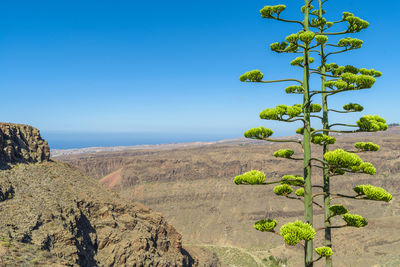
(21, 143)
(54, 215)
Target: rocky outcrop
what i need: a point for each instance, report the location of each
(55, 209)
(21, 143)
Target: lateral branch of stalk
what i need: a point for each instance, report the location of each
(276, 81)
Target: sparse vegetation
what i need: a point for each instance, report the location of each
(272, 261)
(335, 79)
(234, 257)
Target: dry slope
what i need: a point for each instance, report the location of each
(54, 215)
(193, 188)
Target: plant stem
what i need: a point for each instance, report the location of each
(342, 111)
(278, 140)
(287, 20)
(342, 124)
(325, 171)
(334, 131)
(308, 208)
(282, 80)
(331, 227)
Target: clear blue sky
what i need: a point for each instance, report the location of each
(169, 66)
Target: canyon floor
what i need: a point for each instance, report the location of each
(192, 187)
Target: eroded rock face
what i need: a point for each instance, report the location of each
(21, 143)
(53, 208)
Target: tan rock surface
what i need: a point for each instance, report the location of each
(58, 209)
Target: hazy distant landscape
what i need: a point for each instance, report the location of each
(193, 188)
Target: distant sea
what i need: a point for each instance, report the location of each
(59, 140)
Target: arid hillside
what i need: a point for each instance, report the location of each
(193, 188)
(54, 215)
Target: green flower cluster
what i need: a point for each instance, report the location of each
(316, 12)
(353, 107)
(323, 139)
(278, 47)
(337, 210)
(354, 220)
(252, 76)
(306, 36)
(356, 24)
(271, 12)
(342, 159)
(283, 153)
(283, 190)
(339, 159)
(373, 192)
(258, 133)
(372, 123)
(324, 251)
(250, 177)
(293, 232)
(284, 47)
(301, 130)
(315, 108)
(337, 70)
(360, 80)
(321, 39)
(330, 67)
(366, 146)
(371, 72)
(339, 85)
(300, 192)
(265, 225)
(299, 61)
(279, 111)
(295, 180)
(351, 81)
(350, 43)
(292, 38)
(318, 22)
(365, 167)
(347, 14)
(348, 68)
(294, 89)
(303, 8)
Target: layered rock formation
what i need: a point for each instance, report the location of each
(21, 143)
(54, 215)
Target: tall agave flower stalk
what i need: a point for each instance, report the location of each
(335, 79)
(338, 74)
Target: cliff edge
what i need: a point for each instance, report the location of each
(20, 143)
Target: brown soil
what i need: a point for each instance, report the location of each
(112, 179)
